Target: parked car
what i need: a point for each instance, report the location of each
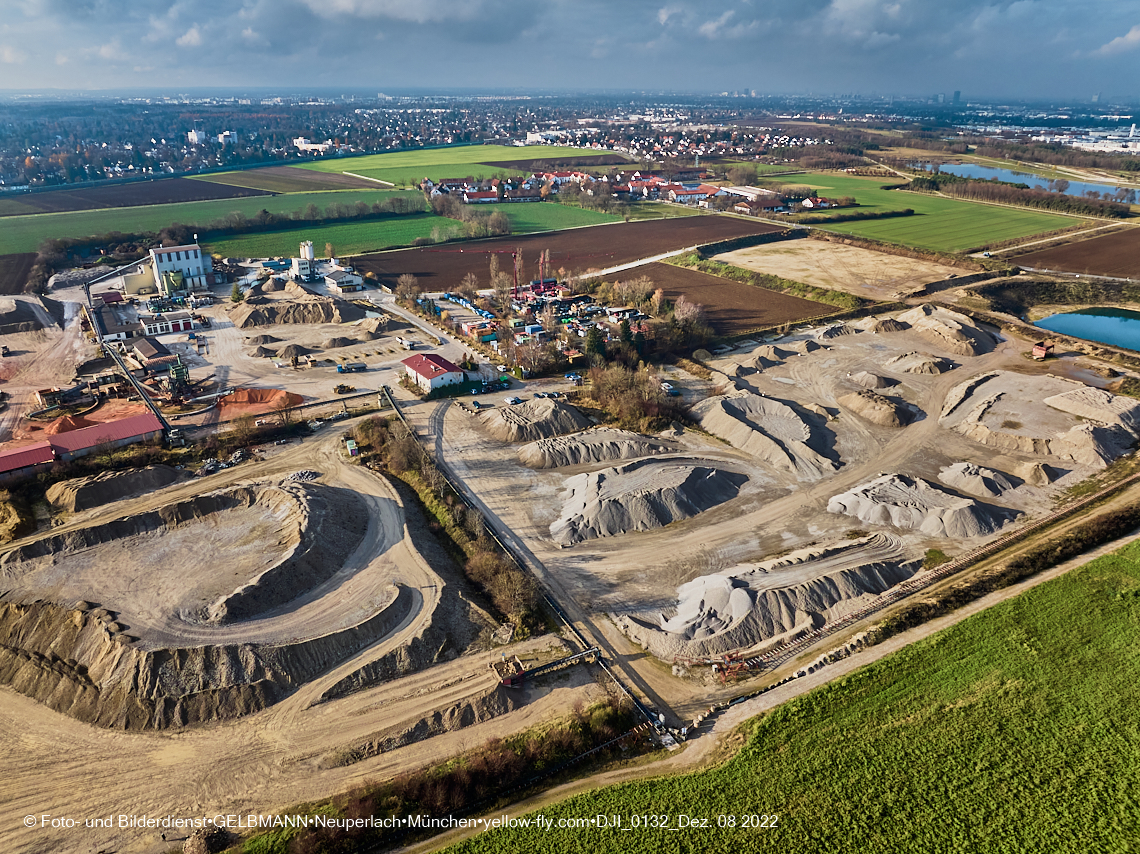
(513, 400)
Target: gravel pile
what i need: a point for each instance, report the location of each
(950, 330)
(877, 409)
(975, 480)
(533, 420)
(303, 476)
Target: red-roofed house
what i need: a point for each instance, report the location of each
(23, 462)
(480, 197)
(125, 431)
(429, 371)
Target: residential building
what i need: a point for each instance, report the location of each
(429, 371)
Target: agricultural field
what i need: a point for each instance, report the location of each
(408, 168)
(1013, 731)
(578, 250)
(24, 233)
(732, 308)
(288, 179)
(1116, 254)
(347, 238)
(14, 270)
(941, 224)
(357, 238)
(161, 191)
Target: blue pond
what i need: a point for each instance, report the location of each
(1116, 326)
(984, 173)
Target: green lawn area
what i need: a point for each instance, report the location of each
(1014, 731)
(942, 224)
(357, 238)
(661, 210)
(24, 233)
(408, 168)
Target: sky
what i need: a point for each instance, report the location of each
(1028, 49)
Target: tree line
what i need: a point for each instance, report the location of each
(1019, 194)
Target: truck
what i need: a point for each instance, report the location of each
(351, 367)
(407, 343)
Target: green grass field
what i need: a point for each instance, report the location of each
(408, 168)
(1014, 731)
(357, 238)
(24, 233)
(942, 224)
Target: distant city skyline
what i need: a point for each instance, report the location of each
(1025, 50)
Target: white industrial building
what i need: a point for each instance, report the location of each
(177, 269)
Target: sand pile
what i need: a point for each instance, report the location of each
(1094, 404)
(766, 428)
(301, 307)
(262, 339)
(374, 325)
(975, 480)
(1035, 474)
(878, 326)
(906, 502)
(752, 604)
(83, 493)
(272, 286)
(261, 396)
(1094, 445)
(876, 408)
(294, 350)
(962, 391)
(949, 329)
(262, 352)
(67, 423)
(640, 496)
(804, 347)
(17, 315)
(533, 420)
(919, 363)
(839, 330)
(339, 341)
(600, 444)
(869, 380)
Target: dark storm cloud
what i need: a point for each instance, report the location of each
(1027, 47)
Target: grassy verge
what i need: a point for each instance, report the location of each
(767, 281)
(1013, 731)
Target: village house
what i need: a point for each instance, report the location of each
(429, 371)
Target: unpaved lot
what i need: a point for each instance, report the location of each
(854, 270)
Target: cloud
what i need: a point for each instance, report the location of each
(718, 28)
(667, 12)
(10, 55)
(1121, 44)
(191, 38)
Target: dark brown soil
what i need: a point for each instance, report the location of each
(161, 191)
(1116, 254)
(553, 164)
(14, 271)
(578, 250)
(290, 179)
(732, 308)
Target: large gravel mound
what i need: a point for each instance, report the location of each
(754, 604)
(877, 409)
(879, 326)
(804, 347)
(601, 444)
(919, 363)
(307, 308)
(839, 330)
(640, 496)
(949, 329)
(906, 502)
(533, 420)
(1094, 404)
(869, 380)
(83, 493)
(975, 480)
(767, 429)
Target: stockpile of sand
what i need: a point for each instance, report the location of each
(803, 347)
(262, 339)
(869, 380)
(919, 363)
(533, 420)
(262, 352)
(17, 315)
(839, 330)
(768, 356)
(886, 324)
(272, 286)
(877, 409)
(67, 423)
(598, 445)
(1035, 474)
(302, 307)
(373, 325)
(906, 502)
(1094, 404)
(756, 604)
(261, 397)
(962, 391)
(975, 480)
(949, 329)
(1093, 445)
(83, 493)
(294, 350)
(640, 496)
(339, 341)
(766, 428)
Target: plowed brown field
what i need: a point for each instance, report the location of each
(163, 191)
(1116, 254)
(440, 268)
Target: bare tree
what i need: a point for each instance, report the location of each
(469, 285)
(329, 250)
(407, 288)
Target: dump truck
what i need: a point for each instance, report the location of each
(351, 367)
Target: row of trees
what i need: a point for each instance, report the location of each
(990, 191)
(475, 222)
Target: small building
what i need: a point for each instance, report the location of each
(116, 321)
(480, 197)
(171, 321)
(344, 281)
(147, 348)
(429, 371)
